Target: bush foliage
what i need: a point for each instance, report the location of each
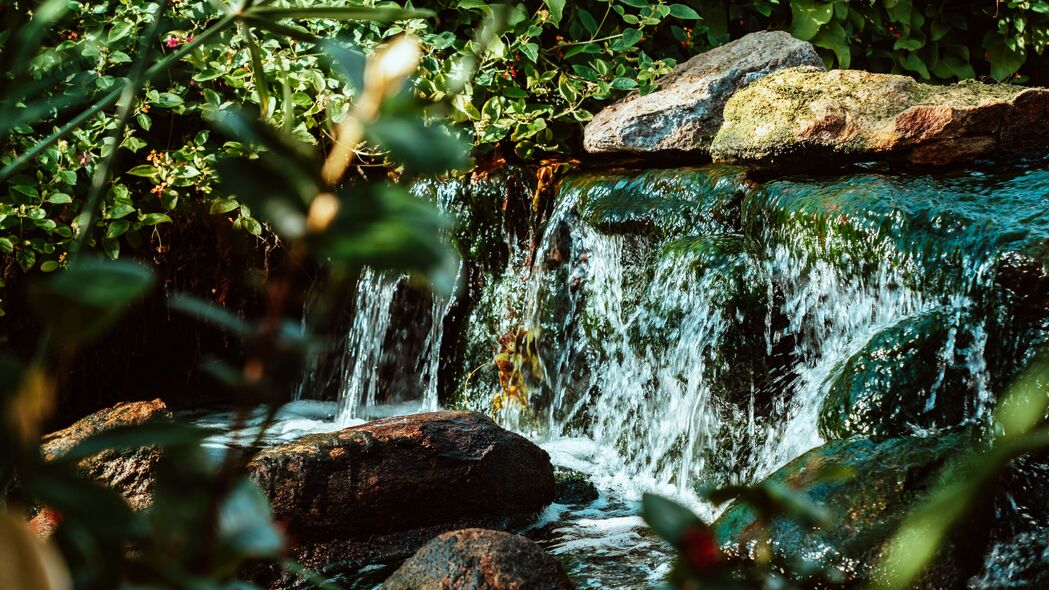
(546, 67)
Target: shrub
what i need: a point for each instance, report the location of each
(543, 67)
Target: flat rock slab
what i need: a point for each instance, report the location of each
(685, 112)
(479, 559)
(402, 473)
(805, 117)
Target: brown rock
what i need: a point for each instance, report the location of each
(685, 112)
(802, 116)
(402, 473)
(479, 559)
(379, 491)
(129, 472)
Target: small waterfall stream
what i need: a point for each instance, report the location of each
(672, 330)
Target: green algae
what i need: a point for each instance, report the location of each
(660, 203)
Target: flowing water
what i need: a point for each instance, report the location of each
(672, 330)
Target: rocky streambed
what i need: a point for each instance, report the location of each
(843, 282)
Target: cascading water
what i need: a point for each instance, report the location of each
(364, 343)
(671, 330)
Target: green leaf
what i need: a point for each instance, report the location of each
(421, 148)
(25, 258)
(89, 297)
(269, 194)
(168, 100)
(60, 199)
(348, 61)
(224, 206)
(119, 211)
(111, 247)
(6, 246)
(387, 227)
(567, 90)
(834, 38)
(587, 20)
(1004, 61)
(557, 9)
(683, 12)
(49, 266)
(210, 313)
(914, 63)
(531, 50)
(117, 228)
(630, 38)
(160, 433)
(119, 31)
(807, 16)
(145, 170)
(338, 13)
(251, 226)
(154, 218)
(667, 518)
(246, 527)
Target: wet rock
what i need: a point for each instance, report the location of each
(867, 488)
(572, 487)
(805, 117)
(478, 559)
(402, 473)
(686, 111)
(658, 203)
(129, 472)
(906, 377)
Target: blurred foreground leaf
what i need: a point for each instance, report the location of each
(25, 562)
(88, 298)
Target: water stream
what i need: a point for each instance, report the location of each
(670, 330)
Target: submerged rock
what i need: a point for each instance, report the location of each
(478, 559)
(867, 489)
(685, 112)
(130, 472)
(376, 492)
(573, 487)
(805, 116)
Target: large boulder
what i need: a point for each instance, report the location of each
(377, 492)
(867, 488)
(685, 112)
(805, 116)
(130, 472)
(479, 559)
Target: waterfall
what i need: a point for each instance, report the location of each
(686, 328)
(372, 315)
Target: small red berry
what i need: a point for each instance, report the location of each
(699, 549)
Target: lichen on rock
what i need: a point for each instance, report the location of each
(800, 116)
(685, 112)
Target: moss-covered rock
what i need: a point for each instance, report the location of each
(806, 117)
(904, 378)
(573, 487)
(661, 203)
(867, 488)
